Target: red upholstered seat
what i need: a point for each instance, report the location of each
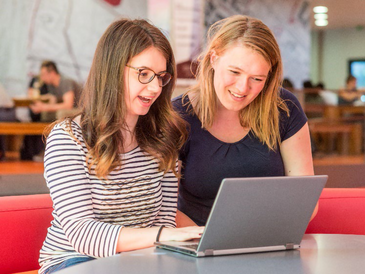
(341, 211)
(24, 221)
(23, 227)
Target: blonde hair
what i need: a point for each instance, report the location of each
(161, 132)
(262, 114)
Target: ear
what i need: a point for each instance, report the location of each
(213, 58)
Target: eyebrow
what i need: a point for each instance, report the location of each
(237, 68)
(145, 67)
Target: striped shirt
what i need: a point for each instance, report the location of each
(89, 212)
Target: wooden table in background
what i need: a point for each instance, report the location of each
(14, 128)
(345, 122)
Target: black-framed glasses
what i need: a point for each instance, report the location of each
(146, 75)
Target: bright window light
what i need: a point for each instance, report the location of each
(321, 23)
(320, 9)
(320, 16)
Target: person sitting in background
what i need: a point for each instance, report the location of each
(33, 145)
(112, 170)
(62, 94)
(311, 93)
(287, 84)
(64, 90)
(329, 97)
(349, 94)
(37, 89)
(7, 114)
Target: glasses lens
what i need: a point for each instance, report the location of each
(164, 78)
(146, 76)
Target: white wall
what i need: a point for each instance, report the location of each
(339, 46)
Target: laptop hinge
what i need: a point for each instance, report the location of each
(208, 252)
(289, 246)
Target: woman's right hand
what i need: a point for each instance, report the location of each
(137, 238)
(181, 234)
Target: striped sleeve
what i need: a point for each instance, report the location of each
(67, 177)
(167, 213)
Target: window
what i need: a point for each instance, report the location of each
(357, 69)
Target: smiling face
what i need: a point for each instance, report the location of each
(139, 97)
(239, 76)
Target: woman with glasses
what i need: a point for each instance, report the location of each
(242, 123)
(112, 169)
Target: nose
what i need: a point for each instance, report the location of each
(154, 86)
(242, 84)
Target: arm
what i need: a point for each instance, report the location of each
(167, 213)
(349, 96)
(67, 103)
(68, 180)
(297, 156)
(132, 239)
(182, 220)
(70, 188)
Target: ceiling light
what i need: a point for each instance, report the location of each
(319, 16)
(320, 9)
(321, 23)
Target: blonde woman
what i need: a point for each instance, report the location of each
(242, 123)
(111, 170)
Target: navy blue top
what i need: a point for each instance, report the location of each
(206, 161)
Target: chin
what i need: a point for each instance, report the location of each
(234, 107)
(143, 113)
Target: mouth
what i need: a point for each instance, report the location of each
(236, 95)
(145, 99)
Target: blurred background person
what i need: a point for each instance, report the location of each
(65, 92)
(7, 114)
(33, 146)
(36, 90)
(62, 94)
(349, 94)
(288, 84)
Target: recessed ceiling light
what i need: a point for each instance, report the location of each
(321, 23)
(320, 9)
(319, 16)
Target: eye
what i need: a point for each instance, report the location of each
(257, 79)
(143, 73)
(234, 72)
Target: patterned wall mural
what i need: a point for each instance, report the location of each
(65, 31)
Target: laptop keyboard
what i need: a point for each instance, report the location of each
(192, 246)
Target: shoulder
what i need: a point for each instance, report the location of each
(287, 95)
(182, 104)
(292, 122)
(178, 102)
(67, 128)
(290, 100)
(68, 83)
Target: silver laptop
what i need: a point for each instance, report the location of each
(256, 215)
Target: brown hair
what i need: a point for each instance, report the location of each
(350, 78)
(262, 114)
(50, 66)
(161, 132)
